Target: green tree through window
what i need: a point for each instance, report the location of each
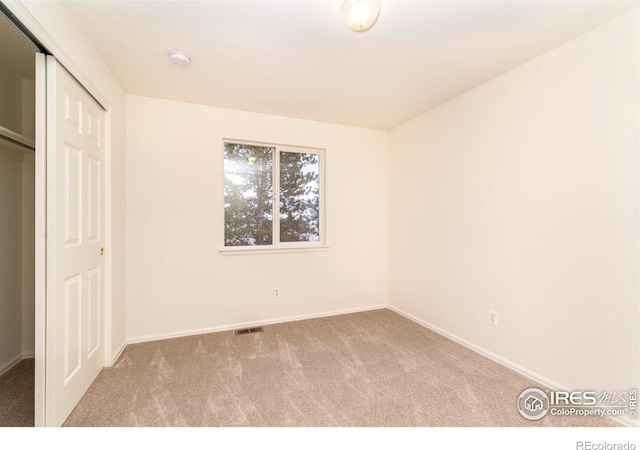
(299, 197)
(248, 195)
(251, 179)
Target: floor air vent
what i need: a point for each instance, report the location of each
(249, 330)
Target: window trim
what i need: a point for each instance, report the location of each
(277, 246)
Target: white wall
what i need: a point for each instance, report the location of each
(11, 260)
(177, 279)
(522, 196)
(54, 22)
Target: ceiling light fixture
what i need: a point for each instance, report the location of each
(360, 15)
(179, 58)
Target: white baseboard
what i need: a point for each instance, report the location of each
(175, 334)
(534, 376)
(119, 352)
(492, 356)
(15, 360)
(10, 364)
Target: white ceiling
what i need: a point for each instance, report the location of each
(295, 57)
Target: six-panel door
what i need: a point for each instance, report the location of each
(75, 153)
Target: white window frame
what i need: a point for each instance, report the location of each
(277, 246)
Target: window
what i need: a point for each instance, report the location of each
(272, 196)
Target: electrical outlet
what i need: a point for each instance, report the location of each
(276, 292)
(493, 318)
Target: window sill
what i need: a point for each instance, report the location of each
(272, 250)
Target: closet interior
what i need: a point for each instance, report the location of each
(17, 225)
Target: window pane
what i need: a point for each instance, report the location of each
(299, 197)
(248, 195)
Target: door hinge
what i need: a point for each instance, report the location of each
(101, 251)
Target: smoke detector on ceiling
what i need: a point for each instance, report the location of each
(179, 58)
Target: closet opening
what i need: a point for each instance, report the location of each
(17, 225)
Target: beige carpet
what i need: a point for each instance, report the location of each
(17, 395)
(366, 369)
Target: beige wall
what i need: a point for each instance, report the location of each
(28, 254)
(59, 25)
(11, 251)
(10, 100)
(522, 196)
(17, 207)
(177, 279)
(28, 108)
(17, 103)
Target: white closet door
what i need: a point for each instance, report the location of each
(75, 238)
